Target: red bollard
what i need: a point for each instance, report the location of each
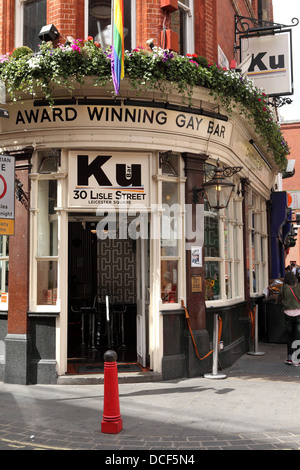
(112, 421)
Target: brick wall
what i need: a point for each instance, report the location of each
(149, 22)
(7, 15)
(291, 132)
(68, 17)
(214, 23)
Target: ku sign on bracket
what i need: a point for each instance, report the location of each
(7, 195)
(271, 66)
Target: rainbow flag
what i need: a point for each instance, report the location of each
(117, 62)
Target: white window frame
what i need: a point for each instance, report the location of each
(232, 218)
(61, 256)
(258, 229)
(189, 25)
(19, 22)
(180, 257)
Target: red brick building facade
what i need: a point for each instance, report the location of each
(211, 20)
(291, 133)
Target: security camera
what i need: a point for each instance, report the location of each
(151, 44)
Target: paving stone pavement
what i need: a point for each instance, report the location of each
(253, 408)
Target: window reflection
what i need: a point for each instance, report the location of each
(169, 274)
(180, 23)
(211, 233)
(212, 280)
(170, 236)
(34, 19)
(169, 220)
(100, 22)
(47, 282)
(47, 243)
(47, 219)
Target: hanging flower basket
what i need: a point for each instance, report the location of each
(26, 72)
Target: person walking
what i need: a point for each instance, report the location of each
(289, 296)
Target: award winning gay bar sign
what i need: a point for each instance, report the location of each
(99, 118)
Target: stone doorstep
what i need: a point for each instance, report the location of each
(91, 379)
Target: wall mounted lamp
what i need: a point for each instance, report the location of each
(48, 33)
(150, 44)
(218, 189)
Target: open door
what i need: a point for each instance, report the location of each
(142, 275)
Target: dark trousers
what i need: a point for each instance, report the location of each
(293, 332)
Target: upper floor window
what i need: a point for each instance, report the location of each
(182, 22)
(99, 22)
(34, 18)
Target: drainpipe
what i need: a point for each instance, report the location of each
(260, 11)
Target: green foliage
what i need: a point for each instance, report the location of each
(21, 51)
(160, 70)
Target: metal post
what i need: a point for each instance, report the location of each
(82, 330)
(108, 321)
(215, 374)
(256, 352)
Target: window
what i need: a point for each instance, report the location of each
(99, 22)
(34, 18)
(4, 252)
(171, 232)
(258, 245)
(212, 253)
(47, 243)
(182, 22)
(223, 242)
(169, 243)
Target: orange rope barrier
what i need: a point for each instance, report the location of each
(252, 317)
(192, 336)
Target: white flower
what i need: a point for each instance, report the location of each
(34, 62)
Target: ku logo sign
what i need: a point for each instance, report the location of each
(261, 62)
(126, 175)
(271, 62)
(108, 180)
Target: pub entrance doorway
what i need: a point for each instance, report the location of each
(107, 298)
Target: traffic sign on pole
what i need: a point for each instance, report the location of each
(7, 195)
